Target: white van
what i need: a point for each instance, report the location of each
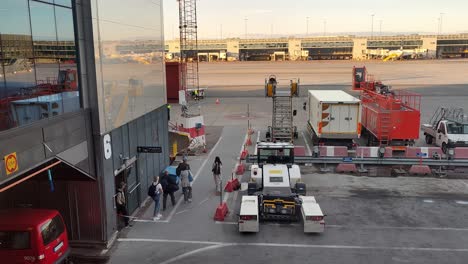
(312, 215)
(248, 217)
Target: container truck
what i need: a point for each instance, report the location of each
(334, 117)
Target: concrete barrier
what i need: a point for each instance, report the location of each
(372, 152)
(422, 152)
(333, 151)
(461, 153)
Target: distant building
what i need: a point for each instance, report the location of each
(327, 48)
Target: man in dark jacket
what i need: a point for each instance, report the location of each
(169, 186)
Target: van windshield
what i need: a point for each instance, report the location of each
(52, 229)
(14, 240)
(454, 128)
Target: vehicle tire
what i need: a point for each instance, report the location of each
(429, 139)
(444, 148)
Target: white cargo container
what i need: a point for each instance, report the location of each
(333, 115)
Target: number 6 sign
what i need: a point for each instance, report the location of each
(107, 147)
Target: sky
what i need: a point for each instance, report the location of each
(225, 18)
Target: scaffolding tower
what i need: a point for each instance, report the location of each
(188, 45)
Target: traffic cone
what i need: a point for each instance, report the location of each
(249, 141)
(217, 100)
(240, 168)
(244, 154)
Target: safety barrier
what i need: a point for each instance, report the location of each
(373, 152)
(333, 151)
(299, 150)
(461, 153)
(423, 152)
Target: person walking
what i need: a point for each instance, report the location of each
(154, 191)
(169, 186)
(121, 204)
(216, 169)
(183, 170)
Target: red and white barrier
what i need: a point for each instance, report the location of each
(197, 134)
(333, 151)
(372, 152)
(461, 153)
(299, 151)
(422, 152)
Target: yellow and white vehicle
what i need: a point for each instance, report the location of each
(276, 191)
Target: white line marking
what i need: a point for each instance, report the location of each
(307, 144)
(193, 252)
(150, 221)
(225, 223)
(226, 194)
(462, 202)
(368, 227)
(428, 201)
(194, 179)
(202, 202)
(223, 244)
(400, 228)
(183, 211)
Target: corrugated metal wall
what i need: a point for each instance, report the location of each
(148, 130)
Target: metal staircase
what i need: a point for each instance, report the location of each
(282, 128)
(385, 127)
(454, 114)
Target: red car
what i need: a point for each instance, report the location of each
(32, 236)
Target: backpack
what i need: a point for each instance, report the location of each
(152, 190)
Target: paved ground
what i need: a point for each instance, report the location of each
(369, 220)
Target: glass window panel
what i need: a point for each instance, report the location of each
(16, 58)
(63, 2)
(131, 82)
(45, 42)
(66, 54)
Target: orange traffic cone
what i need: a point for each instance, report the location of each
(249, 141)
(217, 100)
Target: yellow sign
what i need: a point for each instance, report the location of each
(11, 163)
(275, 171)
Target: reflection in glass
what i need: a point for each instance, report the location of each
(132, 75)
(44, 36)
(66, 55)
(63, 2)
(16, 58)
(32, 86)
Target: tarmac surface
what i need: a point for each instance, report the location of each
(369, 219)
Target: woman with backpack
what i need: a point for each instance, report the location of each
(155, 191)
(216, 169)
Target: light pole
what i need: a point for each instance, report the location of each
(245, 20)
(372, 25)
(380, 27)
(440, 22)
(324, 27)
(307, 26)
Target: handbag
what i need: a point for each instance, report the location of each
(190, 177)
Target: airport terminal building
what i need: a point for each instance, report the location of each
(326, 48)
(72, 115)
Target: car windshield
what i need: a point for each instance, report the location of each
(14, 240)
(52, 229)
(453, 128)
(275, 155)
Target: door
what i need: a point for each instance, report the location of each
(351, 118)
(441, 134)
(334, 119)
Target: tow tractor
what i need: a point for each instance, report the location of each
(276, 192)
